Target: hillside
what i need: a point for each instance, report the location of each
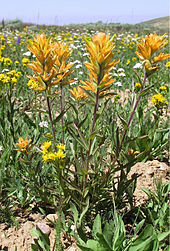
(162, 23)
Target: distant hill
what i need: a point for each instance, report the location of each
(161, 23)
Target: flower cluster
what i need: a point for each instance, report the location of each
(101, 54)
(159, 101)
(163, 88)
(78, 93)
(23, 145)
(138, 87)
(5, 61)
(51, 156)
(25, 62)
(43, 124)
(149, 45)
(10, 77)
(50, 67)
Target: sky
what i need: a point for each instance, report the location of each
(61, 12)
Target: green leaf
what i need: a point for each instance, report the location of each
(28, 120)
(82, 143)
(84, 248)
(167, 248)
(108, 232)
(103, 242)
(124, 123)
(82, 122)
(75, 212)
(61, 115)
(139, 226)
(97, 226)
(93, 245)
(34, 247)
(84, 211)
(145, 237)
(162, 236)
(146, 90)
(147, 191)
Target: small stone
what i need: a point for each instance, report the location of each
(44, 228)
(35, 217)
(2, 235)
(161, 167)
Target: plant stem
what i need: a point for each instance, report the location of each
(132, 114)
(51, 120)
(94, 118)
(61, 110)
(92, 129)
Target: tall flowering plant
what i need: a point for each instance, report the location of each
(50, 69)
(100, 50)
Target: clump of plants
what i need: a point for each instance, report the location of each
(74, 149)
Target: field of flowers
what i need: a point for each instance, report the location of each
(78, 109)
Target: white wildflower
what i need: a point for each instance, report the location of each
(27, 53)
(137, 66)
(122, 74)
(43, 124)
(119, 84)
(120, 70)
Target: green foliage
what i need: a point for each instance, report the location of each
(104, 137)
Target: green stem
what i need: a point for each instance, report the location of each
(92, 129)
(126, 130)
(11, 112)
(132, 114)
(51, 120)
(61, 110)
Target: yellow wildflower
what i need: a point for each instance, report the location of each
(61, 146)
(116, 98)
(60, 154)
(46, 145)
(158, 100)
(51, 156)
(137, 87)
(25, 61)
(163, 88)
(128, 62)
(14, 80)
(167, 64)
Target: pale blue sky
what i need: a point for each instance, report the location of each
(80, 11)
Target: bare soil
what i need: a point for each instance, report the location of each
(21, 238)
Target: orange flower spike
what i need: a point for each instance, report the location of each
(23, 145)
(161, 57)
(101, 54)
(61, 67)
(149, 45)
(40, 47)
(78, 93)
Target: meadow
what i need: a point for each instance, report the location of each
(79, 107)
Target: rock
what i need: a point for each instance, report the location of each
(44, 228)
(35, 217)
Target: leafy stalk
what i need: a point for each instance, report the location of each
(61, 110)
(51, 120)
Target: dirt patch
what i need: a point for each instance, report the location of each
(148, 172)
(21, 238)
